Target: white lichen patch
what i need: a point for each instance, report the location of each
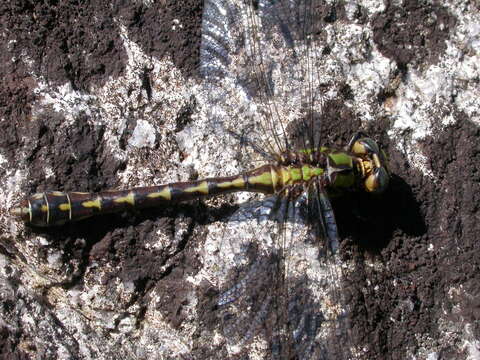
(61, 99)
(372, 6)
(9, 195)
(453, 329)
(427, 100)
(124, 98)
(143, 135)
(121, 100)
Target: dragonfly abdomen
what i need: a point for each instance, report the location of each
(56, 208)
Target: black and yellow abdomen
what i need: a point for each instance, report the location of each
(335, 171)
(56, 208)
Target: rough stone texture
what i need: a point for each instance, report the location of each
(77, 78)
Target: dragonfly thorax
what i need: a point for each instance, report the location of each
(334, 170)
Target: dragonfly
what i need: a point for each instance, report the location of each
(360, 167)
(247, 47)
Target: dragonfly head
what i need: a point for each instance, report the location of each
(373, 164)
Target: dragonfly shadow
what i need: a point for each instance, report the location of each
(98, 226)
(76, 241)
(371, 220)
(123, 236)
(255, 303)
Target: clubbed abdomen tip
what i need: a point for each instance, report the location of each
(21, 211)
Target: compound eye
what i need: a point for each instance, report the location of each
(377, 181)
(365, 146)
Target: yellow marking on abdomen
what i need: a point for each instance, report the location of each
(44, 208)
(262, 179)
(92, 204)
(239, 182)
(129, 199)
(64, 207)
(225, 185)
(236, 183)
(201, 188)
(165, 193)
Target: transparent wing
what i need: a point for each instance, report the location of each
(275, 269)
(322, 222)
(259, 61)
(278, 282)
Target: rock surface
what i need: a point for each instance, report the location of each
(81, 86)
